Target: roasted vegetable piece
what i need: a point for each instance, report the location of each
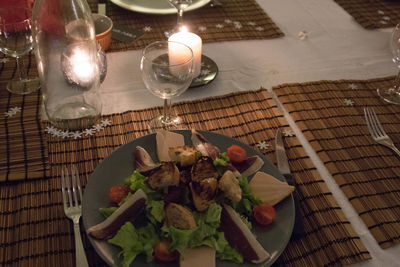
(128, 211)
(179, 217)
(165, 175)
(205, 147)
(184, 155)
(229, 184)
(203, 193)
(143, 162)
(162, 252)
(202, 169)
(240, 237)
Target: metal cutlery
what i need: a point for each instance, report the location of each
(376, 130)
(71, 191)
(283, 166)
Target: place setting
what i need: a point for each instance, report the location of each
(224, 173)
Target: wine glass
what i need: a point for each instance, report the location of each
(16, 41)
(180, 6)
(167, 71)
(392, 94)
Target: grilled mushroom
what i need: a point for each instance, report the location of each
(167, 174)
(203, 192)
(203, 168)
(179, 217)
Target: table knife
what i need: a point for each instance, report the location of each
(283, 166)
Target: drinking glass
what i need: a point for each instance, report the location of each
(392, 94)
(167, 71)
(180, 6)
(16, 41)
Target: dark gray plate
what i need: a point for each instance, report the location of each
(116, 167)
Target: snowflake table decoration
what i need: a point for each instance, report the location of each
(380, 12)
(105, 122)
(387, 18)
(219, 26)
(302, 35)
(262, 145)
(202, 28)
(147, 29)
(259, 28)
(12, 111)
(88, 132)
(98, 127)
(251, 23)
(288, 133)
(76, 134)
(348, 102)
(65, 134)
(4, 60)
(353, 86)
(228, 21)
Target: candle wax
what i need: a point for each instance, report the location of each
(194, 42)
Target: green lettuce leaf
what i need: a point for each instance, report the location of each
(155, 211)
(135, 241)
(106, 212)
(248, 201)
(137, 181)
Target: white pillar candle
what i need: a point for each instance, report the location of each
(194, 42)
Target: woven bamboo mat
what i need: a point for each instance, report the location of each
(36, 232)
(330, 115)
(23, 148)
(373, 14)
(234, 20)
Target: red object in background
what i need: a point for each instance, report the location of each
(13, 11)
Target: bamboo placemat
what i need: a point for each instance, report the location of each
(373, 14)
(23, 148)
(234, 20)
(36, 232)
(330, 115)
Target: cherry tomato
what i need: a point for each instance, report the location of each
(264, 214)
(236, 154)
(118, 193)
(162, 252)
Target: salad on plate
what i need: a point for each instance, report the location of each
(194, 203)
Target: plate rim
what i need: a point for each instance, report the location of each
(269, 262)
(160, 11)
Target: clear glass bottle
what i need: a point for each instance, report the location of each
(67, 59)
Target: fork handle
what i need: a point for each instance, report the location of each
(81, 260)
(395, 149)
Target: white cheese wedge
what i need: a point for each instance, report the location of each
(165, 140)
(269, 189)
(198, 257)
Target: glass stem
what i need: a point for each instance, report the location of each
(20, 69)
(180, 17)
(167, 111)
(397, 82)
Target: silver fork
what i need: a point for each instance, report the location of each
(73, 209)
(376, 130)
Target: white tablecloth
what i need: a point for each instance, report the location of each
(336, 48)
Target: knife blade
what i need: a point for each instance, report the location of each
(283, 166)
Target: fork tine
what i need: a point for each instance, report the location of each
(73, 178)
(63, 189)
(368, 120)
(378, 124)
(78, 182)
(68, 187)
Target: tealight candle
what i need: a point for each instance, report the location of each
(194, 42)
